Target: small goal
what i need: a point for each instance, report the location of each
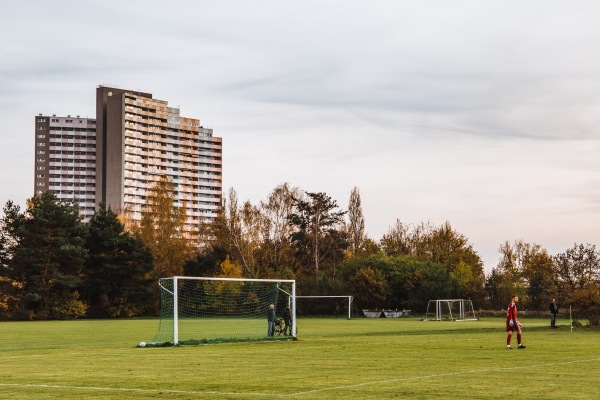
(196, 310)
(450, 310)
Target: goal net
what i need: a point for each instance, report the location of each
(450, 310)
(196, 310)
(339, 306)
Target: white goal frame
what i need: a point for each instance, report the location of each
(175, 298)
(465, 311)
(350, 300)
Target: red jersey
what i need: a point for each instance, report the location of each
(511, 314)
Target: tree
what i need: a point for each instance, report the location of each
(586, 303)
(115, 282)
(163, 229)
(576, 267)
(527, 270)
(370, 288)
(399, 240)
(9, 241)
(238, 229)
(9, 223)
(497, 290)
(49, 260)
(444, 246)
(509, 271)
(538, 272)
(577, 272)
(356, 222)
(276, 251)
(316, 237)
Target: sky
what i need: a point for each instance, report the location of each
(484, 114)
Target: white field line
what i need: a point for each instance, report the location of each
(200, 393)
(413, 378)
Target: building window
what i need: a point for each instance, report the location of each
(41, 120)
(41, 136)
(40, 184)
(41, 168)
(41, 152)
(41, 144)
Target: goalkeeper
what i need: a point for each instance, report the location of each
(512, 323)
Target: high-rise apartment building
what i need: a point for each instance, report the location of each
(134, 142)
(139, 140)
(65, 160)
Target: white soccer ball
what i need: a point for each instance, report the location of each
(142, 344)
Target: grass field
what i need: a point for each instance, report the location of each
(333, 359)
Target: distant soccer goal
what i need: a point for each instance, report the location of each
(197, 310)
(325, 305)
(450, 310)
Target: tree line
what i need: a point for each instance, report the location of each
(54, 266)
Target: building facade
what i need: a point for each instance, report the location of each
(65, 160)
(116, 158)
(140, 140)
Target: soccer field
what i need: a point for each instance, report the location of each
(363, 358)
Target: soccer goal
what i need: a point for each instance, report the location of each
(450, 310)
(196, 310)
(325, 305)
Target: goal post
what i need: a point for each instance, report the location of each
(196, 310)
(450, 310)
(344, 298)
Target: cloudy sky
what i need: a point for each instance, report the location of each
(485, 114)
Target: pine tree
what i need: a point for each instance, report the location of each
(115, 283)
(49, 260)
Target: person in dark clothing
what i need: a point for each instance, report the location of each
(287, 319)
(271, 320)
(553, 312)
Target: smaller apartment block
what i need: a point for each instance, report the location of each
(65, 160)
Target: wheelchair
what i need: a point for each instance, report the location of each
(281, 328)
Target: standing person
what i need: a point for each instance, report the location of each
(512, 323)
(271, 320)
(553, 312)
(287, 319)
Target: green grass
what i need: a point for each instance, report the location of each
(333, 359)
(214, 329)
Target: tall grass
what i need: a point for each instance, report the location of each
(333, 359)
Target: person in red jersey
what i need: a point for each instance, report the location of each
(512, 323)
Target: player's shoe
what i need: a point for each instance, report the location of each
(521, 346)
(508, 348)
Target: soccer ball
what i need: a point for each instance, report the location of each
(142, 344)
